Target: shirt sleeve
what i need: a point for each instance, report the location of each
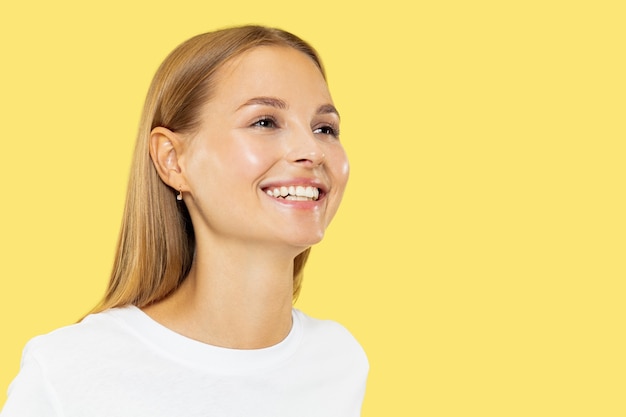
(30, 394)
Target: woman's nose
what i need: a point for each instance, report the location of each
(304, 149)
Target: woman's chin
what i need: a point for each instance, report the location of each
(302, 241)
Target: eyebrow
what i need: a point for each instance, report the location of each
(265, 101)
(280, 104)
(328, 109)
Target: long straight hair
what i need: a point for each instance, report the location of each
(157, 243)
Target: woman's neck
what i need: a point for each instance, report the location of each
(239, 299)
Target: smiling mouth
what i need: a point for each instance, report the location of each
(294, 193)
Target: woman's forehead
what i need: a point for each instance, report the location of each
(268, 71)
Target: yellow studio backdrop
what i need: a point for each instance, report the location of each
(479, 255)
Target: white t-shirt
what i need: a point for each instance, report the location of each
(123, 363)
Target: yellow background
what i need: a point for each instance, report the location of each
(479, 255)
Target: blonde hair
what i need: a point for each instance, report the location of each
(157, 243)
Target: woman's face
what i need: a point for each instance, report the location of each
(266, 165)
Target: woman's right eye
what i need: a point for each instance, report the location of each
(265, 122)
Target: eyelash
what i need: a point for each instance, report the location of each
(269, 122)
(265, 119)
(330, 130)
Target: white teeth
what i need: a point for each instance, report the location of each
(294, 193)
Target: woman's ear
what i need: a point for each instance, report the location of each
(165, 150)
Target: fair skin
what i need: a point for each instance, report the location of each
(270, 125)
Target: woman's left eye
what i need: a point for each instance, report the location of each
(327, 130)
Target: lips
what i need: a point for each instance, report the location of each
(294, 192)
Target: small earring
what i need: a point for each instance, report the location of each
(179, 197)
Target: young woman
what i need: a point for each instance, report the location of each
(238, 170)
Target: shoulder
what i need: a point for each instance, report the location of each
(327, 337)
(96, 332)
(319, 327)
